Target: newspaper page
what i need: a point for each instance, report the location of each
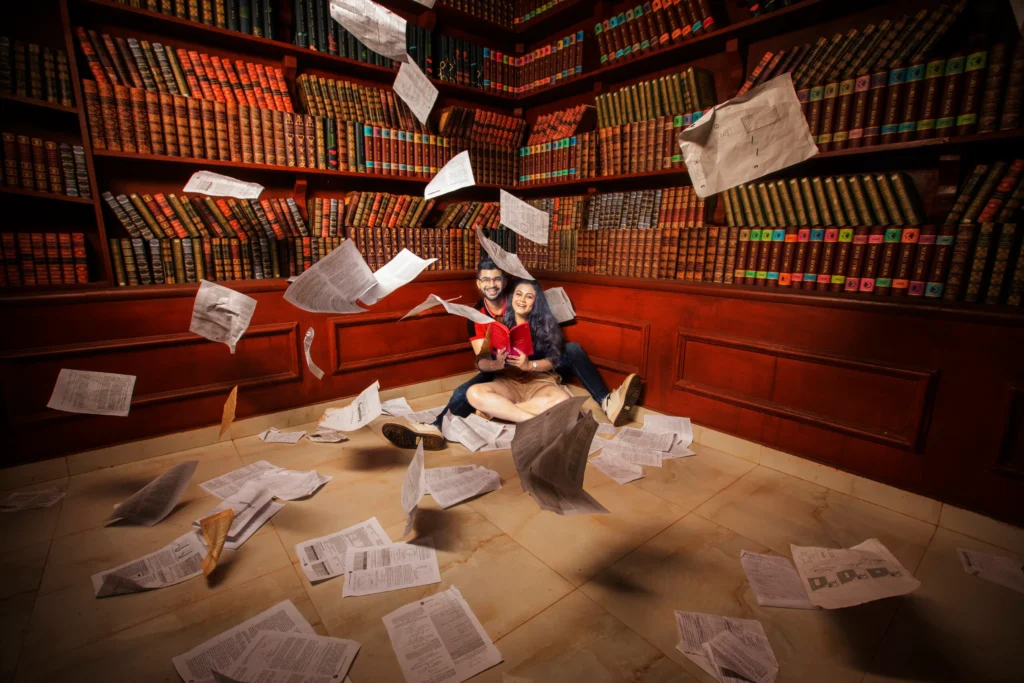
(605, 428)
(275, 657)
(390, 568)
(155, 500)
(307, 344)
(413, 487)
(641, 438)
(774, 581)
(503, 441)
(520, 217)
(215, 534)
(227, 485)
(178, 561)
(217, 185)
(425, 3)
(1006, 571)
(633, 454)
(457, 430)
(324, 557)
(416, 90)
(94, 393)
(221, 314)
(261, 518)
(550, 454)
(453, 489)
(227, 415)
(467, 312)
(508, 262)
(273, 435)
(616, 468)
(323, 435)
(561, 307)
(379, 29)
(398, 272)
(32, 500)
(334, 283)
(734, 660)
(396, 407)
(679, 427)
(696, 628)
(220, 652)
(440, 639)
(747, 137)
(293, 484)
(844, 577)
(361, 412)
(246, 505)
(455, 175)
(427, 416)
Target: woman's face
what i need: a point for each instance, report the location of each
(523, 298)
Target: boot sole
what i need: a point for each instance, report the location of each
(632, 396)
(403, 437)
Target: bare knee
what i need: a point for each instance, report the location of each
(475, 392)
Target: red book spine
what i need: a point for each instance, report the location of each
(905, 260)
(876, 240)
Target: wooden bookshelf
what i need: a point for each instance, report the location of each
(46, 196)
(31, 102)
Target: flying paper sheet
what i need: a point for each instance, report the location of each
(456, 174)
(440, 639)
(390, 568)
(221, 314)
(31, 500)
(398, 272)
(413, 487)
(841, 577)
(215, 533)
(227, 415)
(361, 412)
(1005, 571)
(520, 217)
(324, 557)
(177, 561)
(307, 344)
(618, 469)
(334, 283)
(275, 657)
(466, 312)
(774, 581)
(696, 629)
(155, 500)
(217, 185)
(416, 90)
(273, 435)
(379, 29)
(95, 393)
(396, 407)
(450, 488)
(221, 651)
(747, 137)
(509, 263)
(558, 302)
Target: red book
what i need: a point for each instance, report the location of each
(504, 339)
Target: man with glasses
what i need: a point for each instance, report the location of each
(491, 281)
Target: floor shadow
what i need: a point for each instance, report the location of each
(377, 457)
(440, 526)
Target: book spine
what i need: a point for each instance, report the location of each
(980, 262)
(974, 75)
(872, 258)
(962, 249)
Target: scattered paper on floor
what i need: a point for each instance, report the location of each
(215, 534)
(396, 407)
(452, 485)
(292, 484)
(844, 577)
(640, 438)
(454, 175)
(390, 567)
(221, 314)
(275, 657)
(217, 185)
(31, 500)
(252, 506)
(695, 629)
(440, 639)
(324, 557)
(1006, 571)
(505, 260)
(457, 430)
(633, 454)
(178, 561)
(273, 435)
(93, 393)
(221, 652)
(361, 412)
(426, 417)
(227, 485)
(227, 415)
(155, 500)
(605, 428)
(680, 427)
(334, 283)
(530, 222)
(774, 581)
(734, 659)
(307, 345)
(620, 470)
(414, 486)
(324, 435)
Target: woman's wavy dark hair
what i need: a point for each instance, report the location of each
(544, 328)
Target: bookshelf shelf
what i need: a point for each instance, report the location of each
(17, 191)
(943, 145)
(19, 100)
(605, 181)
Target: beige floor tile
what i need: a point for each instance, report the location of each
(32, 473)
(503, 583)
(93, 495)
(982, 528)
(21, 571)
(133, 451)
(75, 558)
(694, 566)
(577, 640)
(778, 510)
(808, 470)
(690, 481)
(733, 445)
(144, 651)
(31, 527)
(15, 613)
(955, 627)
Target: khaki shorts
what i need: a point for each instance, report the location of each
(520, 388)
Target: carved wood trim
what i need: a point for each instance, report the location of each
(337, 323)
(641, 326)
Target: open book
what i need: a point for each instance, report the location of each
(519, 338)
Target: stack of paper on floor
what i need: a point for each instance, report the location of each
(451, 485)
(396, 407)
(275, 657)
(620, 470)
(178, 561)
(253, 505)
(1005, 571)
(273, 435)
(31, 500)
(440, 639)
(424, 417)
(774, 581)
(361, 412)
(155, 500)
(324, 557)
(622, 456)
(282, 483)
(844, 577)
(726, 648)
(679, 427)
(476, 433)
(390, 567)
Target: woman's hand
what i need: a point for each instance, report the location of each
(520, 361)
(493, 365)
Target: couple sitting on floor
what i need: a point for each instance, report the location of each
(516, 386)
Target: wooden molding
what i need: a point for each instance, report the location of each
(641, 326)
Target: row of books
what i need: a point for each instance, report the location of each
(479, 125)
(543, 66)
(691, 90)
(31, 71)
(840, 201)
(253, 17)
(350, 101)
(567, 159)
(561, 124)
(759, 7)
(507, 13)
(191, 259)
(313, 28)
(641, 146)
(157, 68)
(567, 214)
(45, 166)
(652, 26)
(43, 258)
(329, 217)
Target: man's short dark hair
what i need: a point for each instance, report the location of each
(486, 264)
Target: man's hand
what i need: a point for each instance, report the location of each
(493, 365)
(521, 360)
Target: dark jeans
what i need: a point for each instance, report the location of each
(574, 363)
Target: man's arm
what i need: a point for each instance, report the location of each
(482, 351)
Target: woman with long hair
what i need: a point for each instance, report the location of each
(528, 385)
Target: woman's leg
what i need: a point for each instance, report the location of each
(489, 399)
(544, 399)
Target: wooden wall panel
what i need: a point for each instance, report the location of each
(617, 345)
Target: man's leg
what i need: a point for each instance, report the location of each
(404, 437)
(617, 405)
(458, 404)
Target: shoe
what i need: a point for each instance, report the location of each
(621, 401)
(403, 437)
